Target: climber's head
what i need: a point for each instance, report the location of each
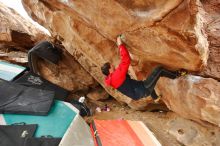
(107, 68)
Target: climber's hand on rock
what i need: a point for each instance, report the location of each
(119, 41)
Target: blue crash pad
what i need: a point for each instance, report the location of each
(9, 71)
(54, 124)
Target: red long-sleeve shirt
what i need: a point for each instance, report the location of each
(116, 78)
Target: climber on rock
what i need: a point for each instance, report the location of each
(119, 79)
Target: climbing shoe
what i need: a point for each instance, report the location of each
(182, 72)
(157, 99)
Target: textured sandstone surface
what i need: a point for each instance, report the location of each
(18, 35)
(192, 97)
(68, 73)
(212, 7)
(167, 32)
(98, 94)
(192, 134)
(13, 55)
(16, 31)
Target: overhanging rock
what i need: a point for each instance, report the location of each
(167, 32)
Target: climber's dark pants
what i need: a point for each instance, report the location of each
(138, 89)
(152, 79)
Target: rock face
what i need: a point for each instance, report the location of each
(16, 36)
(191, 134)
(192, 97)
(16, 31)
(13, 55)
(195, 97)
(68, 73)
(212, 7)
(98, 94)
(166, 32)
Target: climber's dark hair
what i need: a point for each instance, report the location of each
(105, 68)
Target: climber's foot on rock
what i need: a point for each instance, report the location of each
(182, 72)
(157, 100)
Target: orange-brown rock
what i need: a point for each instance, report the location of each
(190, 133)
(16, 31)
(13, 55)
(192, 97)
(98, 94)
(68, 73)
(18, 35)
(212, 8)
(90, 27)
(166, 32)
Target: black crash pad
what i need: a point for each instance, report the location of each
(16, 98)
(35, 81)
(42, 141)
(44, 50)
(15, 135)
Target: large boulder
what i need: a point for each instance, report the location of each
(68, 73)
(195, 97)
(17, 35)
(192, 97)
(166, 32)
(212, 8)
(98, 94)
